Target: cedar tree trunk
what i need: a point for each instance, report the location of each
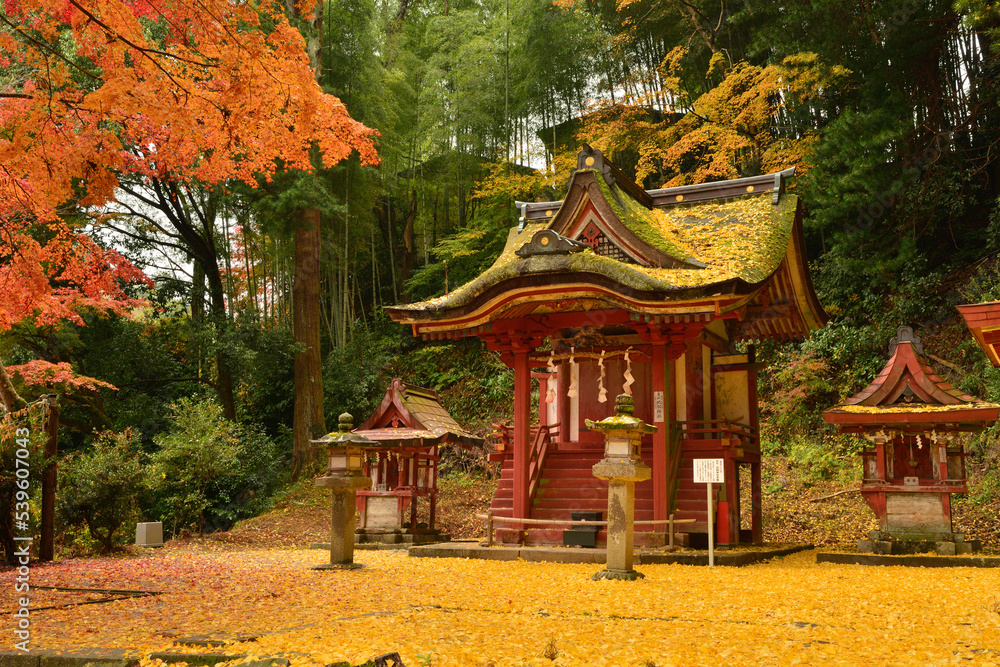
(308, 421)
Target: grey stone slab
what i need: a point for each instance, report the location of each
(214, 640)
(725, 559)
(542, 555)
(19, 659)
(598, 556)
(89, 657)
(908, 561)
(945, 548)
(201, 659)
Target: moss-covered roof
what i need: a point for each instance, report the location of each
(742, 239)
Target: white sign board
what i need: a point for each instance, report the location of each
(709, 471)
(659, 414)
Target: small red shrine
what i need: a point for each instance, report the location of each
(983, 320)
(911, 416)
(409, 424)
(660, 294)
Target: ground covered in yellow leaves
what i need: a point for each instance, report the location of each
(472, 612)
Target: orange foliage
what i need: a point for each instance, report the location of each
(209, 90)
(93, 90)
(46, 374)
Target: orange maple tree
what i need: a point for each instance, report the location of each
(205, 91)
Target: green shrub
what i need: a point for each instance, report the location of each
(210, 471)
(101, 488)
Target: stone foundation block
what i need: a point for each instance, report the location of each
(945, 549)
(882, 547)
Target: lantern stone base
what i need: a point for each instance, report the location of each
(953, 544)
(621, 476)
(618, 575)
(343, 506)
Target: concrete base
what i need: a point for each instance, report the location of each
(908, 561)
(400, 537)
(732, 558)
(884, 547)
(618, 575)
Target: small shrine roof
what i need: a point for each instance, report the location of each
(983, 320)
(650, 252)
(413, 416)
(909, 393)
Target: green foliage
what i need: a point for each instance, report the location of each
(209, 471)
(102, 488)
(355, 376)
(800, 387)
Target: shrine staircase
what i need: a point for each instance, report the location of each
(565, 482)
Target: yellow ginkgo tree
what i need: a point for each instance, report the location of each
(751, 120)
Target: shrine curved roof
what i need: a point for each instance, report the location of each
(909, 393)
(739, 243)
(695, 251)
(413, 416)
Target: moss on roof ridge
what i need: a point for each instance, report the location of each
(637, 219)
(751, 258)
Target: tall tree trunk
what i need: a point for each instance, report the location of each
(12, 402)
(308, 421)
(224, 374)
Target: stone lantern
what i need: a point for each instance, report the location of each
(622, 468)
(344, 477)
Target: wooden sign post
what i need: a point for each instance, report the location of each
(709, 472)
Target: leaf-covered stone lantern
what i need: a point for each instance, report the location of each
(622, 468)
(344, 476)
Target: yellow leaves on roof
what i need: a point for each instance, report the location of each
(738, 238)
(467, 613)
(907, 408)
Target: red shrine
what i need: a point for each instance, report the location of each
(911, 416)
(983, 319)
(409, 425)
(660, 294)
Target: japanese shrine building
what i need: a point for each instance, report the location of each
(409, 425)
(911, 416)
(657, 293)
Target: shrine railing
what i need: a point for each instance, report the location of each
(674, 452)
(721, 429)
(540, 438)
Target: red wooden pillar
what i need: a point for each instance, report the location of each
(695, 381)
(756, 495)
(661, 437)
(522, 430)
(756, 526)
(752, 391)
(732, 518)
(880, 458)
